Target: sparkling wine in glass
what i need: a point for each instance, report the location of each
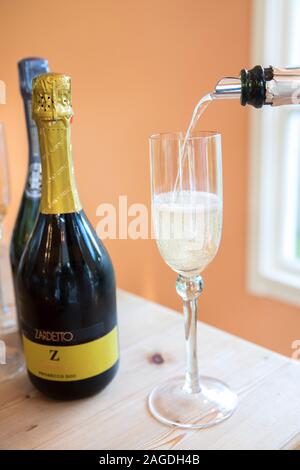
(187, 216)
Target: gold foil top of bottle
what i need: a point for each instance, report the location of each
(51, 97)
(52, 110)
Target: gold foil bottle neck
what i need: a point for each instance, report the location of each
(52, 110)
(51, 97)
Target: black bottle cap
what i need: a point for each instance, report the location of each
(28, 69)
(253, 84)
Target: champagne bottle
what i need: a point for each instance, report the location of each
(66, 283)
(262, 86)
(29, 207)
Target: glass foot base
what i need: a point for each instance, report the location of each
(172, 405)
(14, 364)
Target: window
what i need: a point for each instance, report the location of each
(274, 240)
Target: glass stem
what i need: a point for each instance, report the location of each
(6, 320)
(2, 306)
(189, 289)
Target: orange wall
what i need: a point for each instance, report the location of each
(139, 66)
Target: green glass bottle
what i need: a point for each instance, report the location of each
(29, 207)
(65, 280)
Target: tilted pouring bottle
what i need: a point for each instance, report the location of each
(261, 86)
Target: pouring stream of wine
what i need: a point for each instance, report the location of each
(198, 111)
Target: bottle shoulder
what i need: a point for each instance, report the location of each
(65, 278)
(62, 243)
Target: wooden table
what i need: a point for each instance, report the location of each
(268, 416)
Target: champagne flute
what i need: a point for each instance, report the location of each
(187, 221)
(11, 361)
(6, 319)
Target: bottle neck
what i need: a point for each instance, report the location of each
(59, 191)
(284, 87)
(32, 133)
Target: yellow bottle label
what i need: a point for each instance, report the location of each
(70, 363)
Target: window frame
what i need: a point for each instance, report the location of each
(270, 271)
